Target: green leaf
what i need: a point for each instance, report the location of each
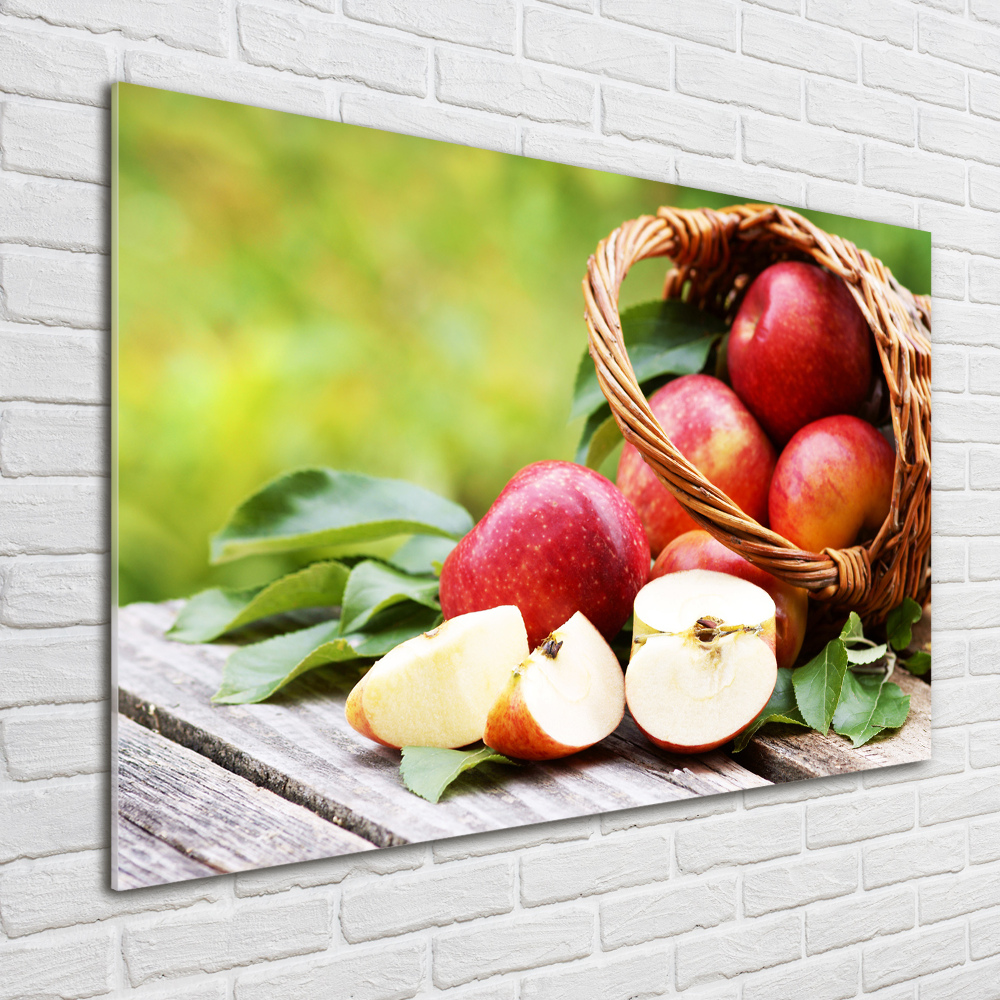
(918, 664)
(852, 628)
(372, 587)
(599, 438)
(780, 708)
(313, 507)
(421, 553)
(898, 627)
(428, 771)
(858, 698)
(818, 683)
(865, 654)
(214, 612)
(893, 707)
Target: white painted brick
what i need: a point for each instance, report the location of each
(857, 817)
(947, 277)
(218, 78)
(41, 592)
(586, 6)
(966, 514)
(58, 289)
(905, 73)
(984, 95)
(596, 47)
(516, 838)
(213, 990)
(52, 518)
(948, 560)
(984, 187)
(428, 899)
(734, 80)
(984, 749)
(645, 974)
(949, 467)
(821, 979)
(713, 22)
(512, 88)
(916, 856)
(211, 940)
(50, 366)
(796, 883)
(856, 109)
(488, 24)
(950, 369)
(69, 964)
(957, 323)
(965, 702)
(50, 65)
(984, 469)
(54, 140)
(385, 972)
(676, 121)
(882, 20)
(507, 945)
(787, 6)
(948, 757)
(499, 989)
(972, 982)
(948, 896)
(598, 152)
(952, 6)
(914, 173)
(550, 874)
(54, 742)
(860, 918)
(799, 44)
(984, 562)
(984, 931)
(960, 42)
(958, 799)
(984, 646)
(741, 181)
(909, 956)
(984, 841)
(859, 203)
(961, 229)
(53, 440)
(756, 945)
(951, 653)
(944, 131)
(799, 791)
(739, 839)
(948, 416)
(53, 666)
(432, 121)
(321, 47)
(984, 280)
(680, 811)
(985, 10)
(966, 606)
(667, 910)
(65, 814)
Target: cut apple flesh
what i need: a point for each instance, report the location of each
(566, 696)
(436, 689)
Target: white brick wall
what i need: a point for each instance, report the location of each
(886, 884)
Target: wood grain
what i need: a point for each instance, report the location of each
(146, 860)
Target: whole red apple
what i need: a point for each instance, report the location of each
(560, 538)
(799, 349)
(832, 485)
(699, 550)
(712, 429)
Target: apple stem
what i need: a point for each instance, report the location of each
(550, 647)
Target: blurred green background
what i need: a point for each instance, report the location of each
(293, 292)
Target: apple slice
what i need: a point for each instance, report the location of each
(436, 689)
(566, 696)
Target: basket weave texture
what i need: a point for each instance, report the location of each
(717, 254)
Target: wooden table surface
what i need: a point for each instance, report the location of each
(203, 789)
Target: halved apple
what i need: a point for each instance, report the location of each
(566, 696)
(436, 689)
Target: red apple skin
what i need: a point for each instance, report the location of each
(832, 484)
(712, 429)
(699, 550)
(560, 538)
(799, 349)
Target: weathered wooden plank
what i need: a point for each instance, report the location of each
(214, 817)
(143, 860)
(300, 746)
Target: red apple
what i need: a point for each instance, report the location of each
(712, 429)
(832, 485)
(560, 538)
(799, 349)
(699, 550)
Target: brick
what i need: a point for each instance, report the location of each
(487, 24)
(512, 88)
(58, 289)
(728, 79)
(210, 941)
(53, 440)
(984, 280)
(433, 121)
(968, 513)
(947, 275)
(950, 369)
(712, 22)
(665, 911)
(205, 76)
(54, 141)
(905, 73)
(70, 964)
(585, 5)
(516, 838)
(984, 187)
(427, 899)
(984, 95)
(965, 606)
(502, 989)
(675, 121)
(985, 10)
(858, 817)
(910, 956)
(66, 814)
(984, 561)
(799, 44)
(509, 945)
(914, 173)
(948, 757)
(974, 982)
(950, 654)
(961, 229)
(948, 560)
(679, 811)
(960, 42)
(984, 841)
(883, 20)
(970, 325)
(387, 972)
(49, 366)
(58, 67)
(559, 873)
(740, 839)
(597, 152)
(53, 666)
(984, 931)
(43, 592)
(950, 896)
(320, 47)
(756, 945)
(984, 468)
(742, 182)
(855, 109)
(52, 742)
(799, 791)
(984, 749)
(646, 975)
(859, 918)
(950, 463)
(52, 518)
(596, 47)
(859, 203)
(966, 702)
(957, 135)
(984, 652)
(904, 858)
(796, 883)
(215, 990)
(821, 979)
(949, 413)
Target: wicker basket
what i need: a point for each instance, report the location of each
(717, 254)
